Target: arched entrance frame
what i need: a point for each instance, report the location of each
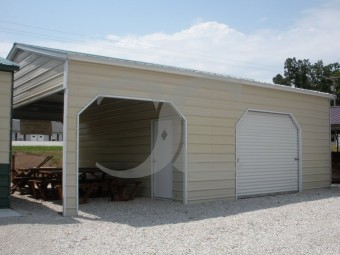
(99, 98)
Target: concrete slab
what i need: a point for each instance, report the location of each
(8, 213)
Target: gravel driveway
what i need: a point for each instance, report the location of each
(301, 223)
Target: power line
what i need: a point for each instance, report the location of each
(42, 28)
(113, 45)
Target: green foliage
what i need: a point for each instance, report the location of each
(305, 75)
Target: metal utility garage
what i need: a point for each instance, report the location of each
(207, 136)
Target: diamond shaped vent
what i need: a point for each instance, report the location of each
(164, 135)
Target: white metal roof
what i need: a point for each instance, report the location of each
(77, 56)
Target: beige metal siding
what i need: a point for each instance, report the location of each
(39, 76)
(5, 134)
(212, 109)
(5, 115)
(83, 80)
(312, 114)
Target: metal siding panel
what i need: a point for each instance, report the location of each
(267, 148)
(87, 80)
(122, 82)
(39, 76)
(4, 185)
(210, 194)
(312, 114)
(5, 116)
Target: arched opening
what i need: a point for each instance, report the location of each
(135, 139)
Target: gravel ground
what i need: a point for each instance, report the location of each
(301, 223)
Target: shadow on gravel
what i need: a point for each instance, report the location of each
(146, 212)
(34, 212)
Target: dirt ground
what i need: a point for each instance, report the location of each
(24, 160)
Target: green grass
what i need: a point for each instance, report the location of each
(56, 151)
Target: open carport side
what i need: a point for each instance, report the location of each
(135, 139)
(143, 135)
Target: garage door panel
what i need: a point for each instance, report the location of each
(273, 180)
(287, 156)
(267, 154)
(265, 177)
(273, 185)
(265, 191)
(253, 190)
(275, 172)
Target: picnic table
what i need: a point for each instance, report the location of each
(91, 181)
(41, 182)
(44, 178)
(20, 177)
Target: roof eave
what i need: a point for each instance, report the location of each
(64, 55)
(192, 73)
(10, 68)
(34, 49)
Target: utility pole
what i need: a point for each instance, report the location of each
(333, 87)
(334, 90)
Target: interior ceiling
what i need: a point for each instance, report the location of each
(48, 108)
(52, 107)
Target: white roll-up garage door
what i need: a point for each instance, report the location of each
(267, 154)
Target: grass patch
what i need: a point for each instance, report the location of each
(35, 149)
(56, 151)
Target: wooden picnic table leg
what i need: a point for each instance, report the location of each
(32, 186)
(59, 189)
(121, 190)
(134, 190)
(89, 187)
(42, 188)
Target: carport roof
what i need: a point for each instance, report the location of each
(77, 56)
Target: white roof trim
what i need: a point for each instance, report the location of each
(36, 49)
(63, 54)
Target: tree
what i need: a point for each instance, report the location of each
(303, 74)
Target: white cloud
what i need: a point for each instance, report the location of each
(215, 47)
(5, 47)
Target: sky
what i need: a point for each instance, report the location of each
(245, 38)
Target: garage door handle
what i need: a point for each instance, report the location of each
(296, 159)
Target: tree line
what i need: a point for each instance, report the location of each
(313, 76)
